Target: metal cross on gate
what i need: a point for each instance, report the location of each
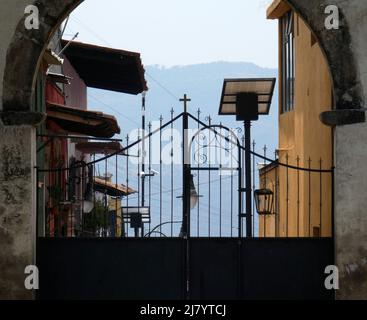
(185, 100)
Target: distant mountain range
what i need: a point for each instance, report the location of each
(202, 83)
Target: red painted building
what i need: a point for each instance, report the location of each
(62, 96)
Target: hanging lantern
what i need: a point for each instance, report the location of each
(264, 201)
(194, 196)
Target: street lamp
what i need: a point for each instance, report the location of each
(194, 196)
(247, 99)
(264, 201)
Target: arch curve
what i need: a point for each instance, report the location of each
(337, 48)
(23, 58)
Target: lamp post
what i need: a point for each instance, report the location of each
(247, 99)
(143, 159)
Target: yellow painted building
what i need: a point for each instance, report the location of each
(114, 205)
(302, 200)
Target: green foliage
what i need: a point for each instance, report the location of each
(98, 218)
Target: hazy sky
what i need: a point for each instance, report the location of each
(180, 32)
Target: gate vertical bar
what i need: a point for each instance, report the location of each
(82, 182)
(116, 201)
(240, 190)
(198, 176)
(150, 170)
(186, 172)
(94, 201)
(265, 186)
(127, 181)
(136, 229)
(38, 213)
(105, 220)
(248, 178)
(333, 202)
(277, 217)
(220, 182)
(287, 196)
(320, 198)
(172, 173)
(210, 177)
(240, 207)
(309, 197)
(298, 196)
(232, 184)
(160, 177)
(253, 185)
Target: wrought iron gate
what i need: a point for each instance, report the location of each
(163, 217)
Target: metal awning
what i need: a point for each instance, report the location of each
(91, 123)
(52, 58)
(105, 148)
(106, 68)
(111, 189)
(58, 78)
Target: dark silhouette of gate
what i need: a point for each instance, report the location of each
(155, 269)
(145, 239)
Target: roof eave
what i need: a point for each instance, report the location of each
(277, 9)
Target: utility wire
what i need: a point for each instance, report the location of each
(114, 109)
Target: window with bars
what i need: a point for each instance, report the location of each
(288, 61)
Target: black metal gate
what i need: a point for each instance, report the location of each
(155, 269)
(163, 229)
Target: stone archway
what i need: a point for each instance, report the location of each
(344, 50)
(23, 58)
(25, 50)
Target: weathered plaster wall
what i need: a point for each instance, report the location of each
(351, 212)
(17, 209)
(9, 20)
(20, 52)
(17, 181)
(351, 172)
(351, 177)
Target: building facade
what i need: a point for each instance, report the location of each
(302, 205)
(72, 201)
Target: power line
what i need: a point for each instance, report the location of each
(78, 21)
(115, 110)
(163, 87)
(178, 189)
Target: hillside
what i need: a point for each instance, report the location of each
(202, 82)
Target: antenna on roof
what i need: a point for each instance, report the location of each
(68, 44)
(65, 25)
